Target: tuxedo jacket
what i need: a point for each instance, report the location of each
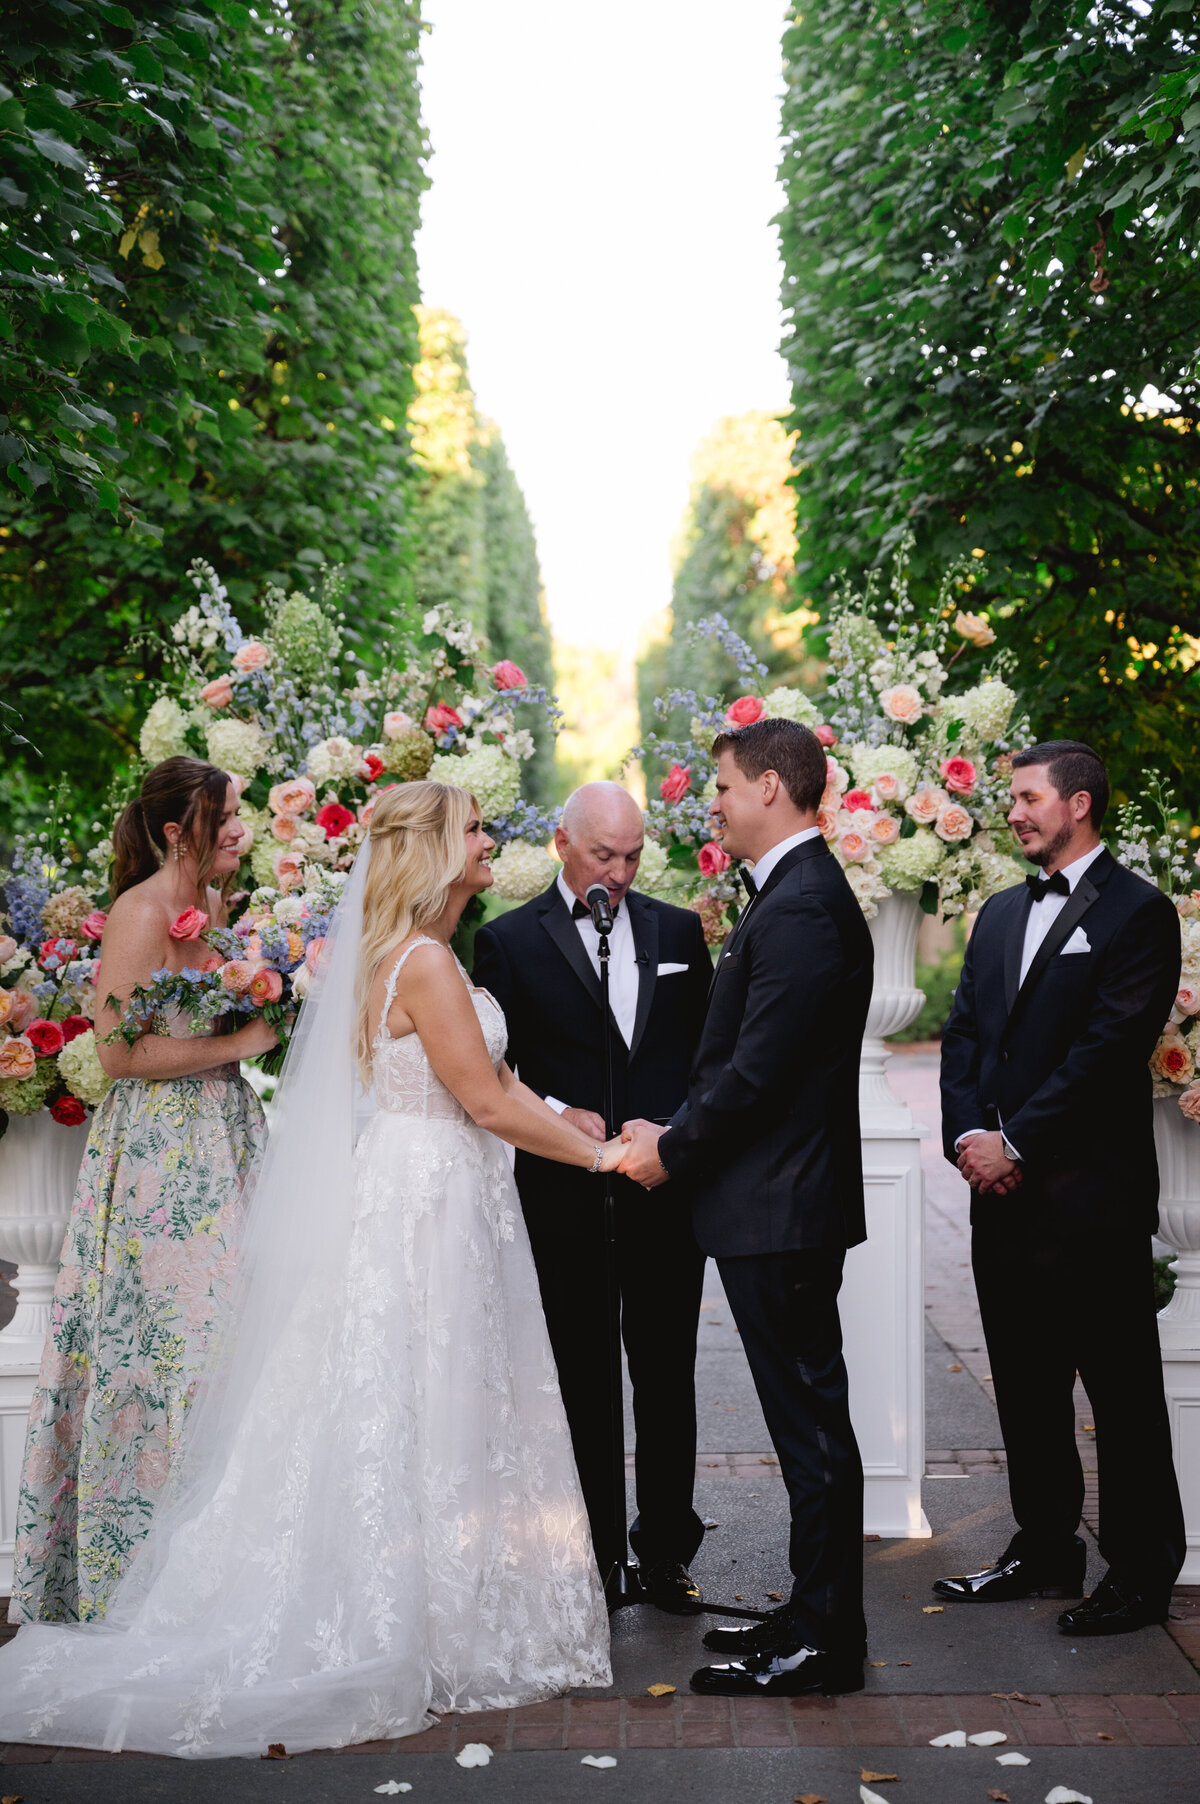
(534, 963)
(768, 1144)
(1060, 1062)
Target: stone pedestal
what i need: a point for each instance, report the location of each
(883, 1296)
(1177, 1142)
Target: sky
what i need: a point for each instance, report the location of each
(603, 181)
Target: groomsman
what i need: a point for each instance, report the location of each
(1046, 1108)
(541, 963)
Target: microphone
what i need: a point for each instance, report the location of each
(602, 915)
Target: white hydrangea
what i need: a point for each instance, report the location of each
(652, 866)
(492, 779)
(520, 744)
(984, 711)
(288, 910)
(164, 731)
(521, 871)
(910, 863)
(867, 882)
(81, 1071)
(238, 746)
(792, 704)
(330, 758)
(262, 861)
(868, 762)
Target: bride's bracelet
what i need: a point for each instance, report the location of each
(598, 1160)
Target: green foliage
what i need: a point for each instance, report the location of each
(516, 623)
(976, 308)
(938, 982)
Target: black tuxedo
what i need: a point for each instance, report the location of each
(534, 963)
(1062, 1264)
(768, 1149)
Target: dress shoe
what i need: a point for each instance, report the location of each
(1112, 1609)
(1012, 1576)
(787, 1672)
(777, 1629)
(670, 1586)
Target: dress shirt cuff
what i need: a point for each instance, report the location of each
(969, 1135)
(559, 1108)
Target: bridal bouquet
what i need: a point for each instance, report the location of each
(1151, 842)
(917, 760)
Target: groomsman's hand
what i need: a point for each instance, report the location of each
(641, 1161)
(588, 1122)
(984, 1163)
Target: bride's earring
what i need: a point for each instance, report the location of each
(180, 849)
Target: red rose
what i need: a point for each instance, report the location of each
(68, 1111)
(189, 925)
(958, 774)
(858, 798)
(371, 767)
(335, 819)
(95, 924)
(439, 718)
(46, 1037)
(712, 859)
(59, 950)
(742, 712)
(676, 783)
(73, 1026)
(825, 735)
(507, 675)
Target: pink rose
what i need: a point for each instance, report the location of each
(885, 829)
(283, 827)
(854, 846)
(953, 823)
(370, 768)
(887, 786)
(1189, 1102)
(218, 693)
(93, 927)
(189, 925)
(925, 804)
(312, 952)
(827, 821)
(835, 776)
(858, 798)
(744, 711)
(825, 736)
(712, 859)
(676, 783)
(296, 796)
(289, 871)
(366, 811)
(1187, 999)
(245, 839)
(17, 1057)
(335, 819)
(439, 718)
(903, 703)
(958, 774)
(507, 675)
(237, 974)
(8, 947)
(251, 656)
(24, 1005)
(266, 986)
(397, 722)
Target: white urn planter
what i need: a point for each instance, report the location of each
(39, 1162)
(883, 1297)
(1177, 1142)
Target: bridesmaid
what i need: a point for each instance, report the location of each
(154, 1225)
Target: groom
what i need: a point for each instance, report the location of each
(767, 1148)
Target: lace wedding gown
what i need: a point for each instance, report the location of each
(395, 1528)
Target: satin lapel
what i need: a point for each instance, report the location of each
(643, 922)
(563, 931)
(1070, 915)
(1014, 947)
(812, 848)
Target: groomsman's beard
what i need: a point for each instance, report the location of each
(1048, 854)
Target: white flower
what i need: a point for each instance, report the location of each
(238, 746)
(17, 962)
(491, 778)
(984, 711)
(432, 621)
(288, 910)
(164, 731)
(334, 757)
(791, 704)
(81, 1071)
(910, 863)
(866, 880)
(652, 867)
(519, 744)
(521, 871)
(870, 762)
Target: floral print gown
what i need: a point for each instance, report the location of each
(145, 1270)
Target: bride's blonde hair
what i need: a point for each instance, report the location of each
(418, 852)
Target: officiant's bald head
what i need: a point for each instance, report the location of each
(599, 839)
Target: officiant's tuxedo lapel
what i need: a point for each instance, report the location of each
(1081, 898)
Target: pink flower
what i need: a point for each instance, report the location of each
(246, 839)
(438, 719)
(8, 1000)
(827, 822)
(854, 846)
(925, 804)
(835, 777)
(8, 947)
(284, 826)
(953, 823)
(312, 952)
(712, 859)
(958, 774)
(507, 675)
(1189, 1102)
(395, 723)
(73, 1026)
(189, 925)
(17, 1057)
(1187, 999)
(744, 711)
(211, 963)
(366, 811)
(887, 786)
(335, 819)
(371, 767)
(61, 951)
(218, 693)
(858, 798)
(251, 656)
(237, 974)
(46, 1037)
(885, 829)
(676, 783)
(296, 796)
(289, 870)
(1172, 1061)
(266, 986)
(825, 736)
(903, 703)
(24, 1004)
(93, 927)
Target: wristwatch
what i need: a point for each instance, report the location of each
(1010, 1152)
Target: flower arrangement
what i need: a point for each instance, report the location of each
(1150, 841)
(917, 766)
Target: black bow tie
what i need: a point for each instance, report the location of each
(747, 879)
(581, 912)
(1044, 886)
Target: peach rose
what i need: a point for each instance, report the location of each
(1187, 999)
(926, 803)
(1172, 1061)
(8, 947)
(296, 796)
(289, 871)
(266, 986)
(6, 1005)
(827, 821)
(885, 829)
(1189, 1102)
(283, 826)
(251, 656)
(218, 693)
(887, 786)
(397, 722)
(17, 1057)
(237, 975)
(903, 703)
(312, 953)
(854, 846)
(958, 774)
(366, 811)
(25, 1005)
(953, 823)
(974, 628)
(744, 711)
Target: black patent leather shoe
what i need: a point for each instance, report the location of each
(775, 1630)
(670, 1586)
(1012, 1577)
(1112, 1609)
(785, 1673)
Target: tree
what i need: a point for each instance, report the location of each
(988, 245)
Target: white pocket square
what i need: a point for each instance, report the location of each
(1078, 942)
(670, 970)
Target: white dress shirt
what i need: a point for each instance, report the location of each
(622, 967)
(766, 864)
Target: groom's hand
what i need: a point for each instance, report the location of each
(588, 1122)
(985, 1165)
(641, 1161)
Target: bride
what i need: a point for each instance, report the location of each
(376, 1516)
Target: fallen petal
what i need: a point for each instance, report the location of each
(870, 1797)
(987, 1738)
(876, 1778)
(809, 1797)
(998, 1797)
(1013, 1759)
(598, 1760)
(1018, 1697)
(953, 1738)
(660, 1691)
(393, 1787)
(1062, 1794)
(932, 1609)
(476, 1753)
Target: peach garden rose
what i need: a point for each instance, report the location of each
(926, 803)
(251, 656)
(953, 824)
(1172, 1061)
(1189, 1102)
(885, 829)
(296, 796)
(854, 846)
(17, 1057)
(902, 703)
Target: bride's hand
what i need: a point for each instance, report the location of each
(614, 1151)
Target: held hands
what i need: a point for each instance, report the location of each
(614, 1150)
(588, 1122)
(641, 1161)
(986, 1167)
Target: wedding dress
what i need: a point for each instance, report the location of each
(377, 1516)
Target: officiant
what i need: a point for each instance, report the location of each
(541, 963)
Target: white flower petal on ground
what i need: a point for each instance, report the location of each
(1062, 1794)
(1013, 1759)
(987, 1738)
(476, 1753)
(953, 1738)
(392, 1787)
(603, 1760)
(870, 1797)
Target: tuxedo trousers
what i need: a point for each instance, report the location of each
(786, 1309)
(661, 1272)
(1059, 1298)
